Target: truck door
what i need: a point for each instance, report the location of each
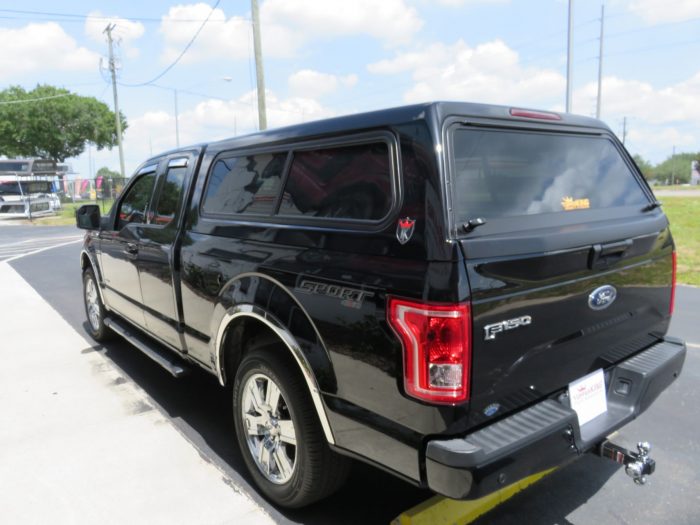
(119, 247)
(157, 259)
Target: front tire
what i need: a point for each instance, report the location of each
(278, 431)
(94, 309)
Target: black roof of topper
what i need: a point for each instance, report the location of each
(433, 113)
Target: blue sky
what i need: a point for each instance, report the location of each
(333, 57)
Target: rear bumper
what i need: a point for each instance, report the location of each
(548, 434)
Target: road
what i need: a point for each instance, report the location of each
(19, 241)
(677, 193)
(589, 491)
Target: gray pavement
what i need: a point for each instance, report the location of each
(590, 490)
(677, 193)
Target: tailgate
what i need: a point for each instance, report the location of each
(571, 271)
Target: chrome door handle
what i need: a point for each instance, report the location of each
(132, 248)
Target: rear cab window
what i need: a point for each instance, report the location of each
(509, 176)
(245, 184)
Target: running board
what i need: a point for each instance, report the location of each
(161, 356)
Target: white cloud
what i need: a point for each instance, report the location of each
(208, 121)
(41, 47)
(489, 72)
(125, 31)
(221, 37)
(314, 84)
(621, 97)
(662, 11)
(286, 26)
(659, 141)
(459, 3)
(657, 118)
(391, 21)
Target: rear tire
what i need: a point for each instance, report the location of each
(278, 431)
(94, 309)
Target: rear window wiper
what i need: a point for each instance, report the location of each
(473, 223)
(652, 206)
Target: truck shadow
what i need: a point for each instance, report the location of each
(201, 410)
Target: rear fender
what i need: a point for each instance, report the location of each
(267, 301)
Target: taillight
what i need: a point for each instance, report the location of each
(529, 113)
(673, 283)
(437, 349)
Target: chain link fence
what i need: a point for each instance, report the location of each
(99, 190)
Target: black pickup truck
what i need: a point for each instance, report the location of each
(460, 294)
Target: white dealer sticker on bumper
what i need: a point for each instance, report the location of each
(587, 396)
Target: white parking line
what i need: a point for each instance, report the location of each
(14, 258)
(10, 251)
(41, 239)
(692, 345)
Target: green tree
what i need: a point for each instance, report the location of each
(107, 173)
(112, 182)
(644, 166)
(57, 127)
(676, 168)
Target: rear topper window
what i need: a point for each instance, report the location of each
(506, 174)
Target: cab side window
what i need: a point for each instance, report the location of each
(170, 196)
(134, 204)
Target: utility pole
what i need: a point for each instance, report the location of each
(624, 130)
(259, 72)
(177, 121)
(90, 159)
(673, 166)
(600, 62)
(569, 57)
(112, 70)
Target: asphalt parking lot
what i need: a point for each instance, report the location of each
(591, 490)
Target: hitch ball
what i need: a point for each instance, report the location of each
(638, 465)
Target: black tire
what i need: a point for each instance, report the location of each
(95, 326)
(317, 470)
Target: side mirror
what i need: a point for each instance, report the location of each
(87, 217)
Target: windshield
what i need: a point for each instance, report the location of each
(512, 173)
(34, 186)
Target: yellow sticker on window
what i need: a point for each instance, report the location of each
(569, 203)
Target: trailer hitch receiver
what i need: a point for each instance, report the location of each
(638, 465)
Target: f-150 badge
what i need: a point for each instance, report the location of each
(496, 328)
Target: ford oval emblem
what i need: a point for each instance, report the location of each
(491, 409)
(602, 297)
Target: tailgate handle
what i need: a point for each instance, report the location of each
(603, 255)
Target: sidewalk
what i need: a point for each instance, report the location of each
(80, 444)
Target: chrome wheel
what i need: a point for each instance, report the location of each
(92, 304)
(270, 431)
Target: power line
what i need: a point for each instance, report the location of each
(36, 99)
(80, 18)
(187, 47)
